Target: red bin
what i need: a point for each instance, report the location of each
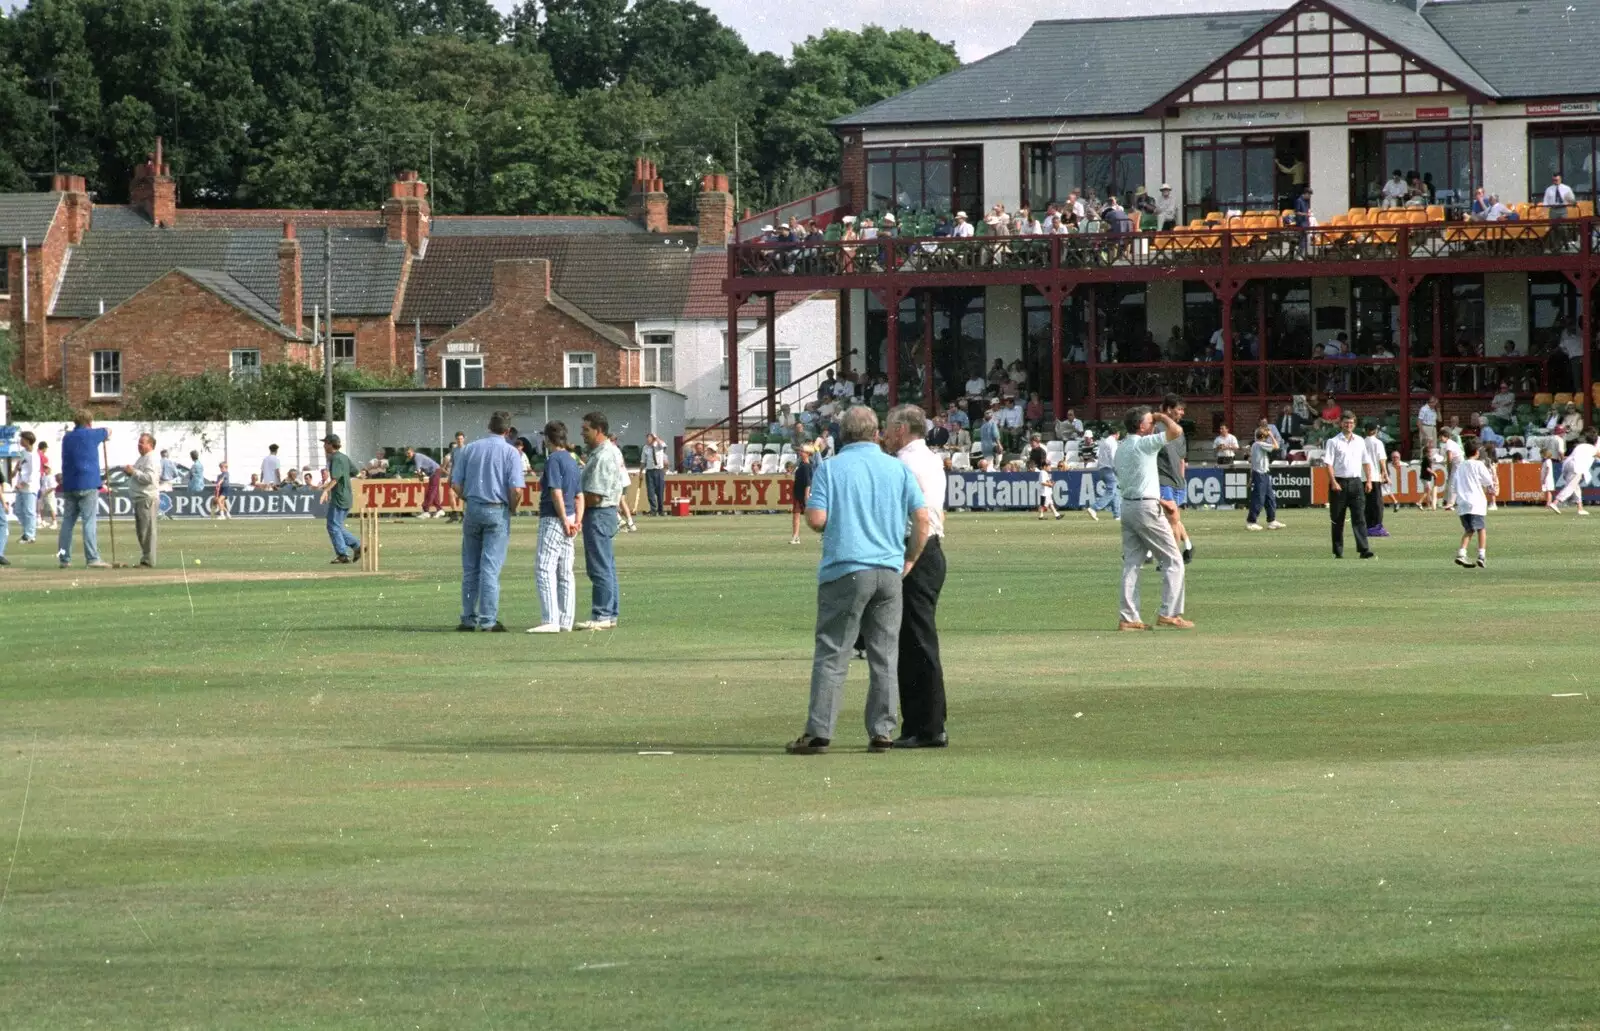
(680, 506)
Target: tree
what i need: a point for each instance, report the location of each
(584, 40)
(674, 44)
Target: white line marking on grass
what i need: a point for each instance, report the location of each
(655, 753)
(33, 754)
(598, 966)
(183, 564)
(140, 926)
(1572, 694)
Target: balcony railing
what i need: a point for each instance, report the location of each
(1174, 249)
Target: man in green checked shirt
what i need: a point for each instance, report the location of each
(605, 477)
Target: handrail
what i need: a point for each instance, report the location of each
(811, 206)
(771, 392)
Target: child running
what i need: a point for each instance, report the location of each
(1047, 486)
(1547, 475)
(1473, 485)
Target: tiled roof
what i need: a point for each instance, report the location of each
(366, 271)
(1073, 68)
(531, 225)
(26, 216)
(269, 218)
(1525, 48)
(705, 299)
(613, 277)
(117, 216)
(110, 266)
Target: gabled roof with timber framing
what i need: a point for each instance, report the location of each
(1487, 50)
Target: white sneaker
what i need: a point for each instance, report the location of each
(1275, 525)
(596, 624)
(1252, 526)
(1093, 514)
(544, 628)
(1583, 511)
(1552, 506)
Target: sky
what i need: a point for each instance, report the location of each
(976, 27)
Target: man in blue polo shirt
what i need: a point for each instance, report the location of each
(80, 489)
(860, 502)
(487, 474)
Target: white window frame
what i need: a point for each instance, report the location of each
(344, 349)
(464, 364)
(784, 363)
(579, 363)
(241, 367)
(105, 374)
(654, 345)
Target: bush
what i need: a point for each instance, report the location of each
(284, 391)
(29, 404)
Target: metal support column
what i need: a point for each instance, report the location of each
(772, 358)
(891, 347)
(1261, 355)
(1091, 354)
(731, 358)
(1437, 379)
(928, 399)
(1586, 332)
(1225, 299)
(1058, 393)
(1403, 351)
(845, 346)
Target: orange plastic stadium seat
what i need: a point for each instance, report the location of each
(1213, 216)
(1594, 390)
(1586, 209)
(1358, 216)
(1435, 212)
(1542, 399)
(1561, 399)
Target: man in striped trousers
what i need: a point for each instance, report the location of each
(560, 510)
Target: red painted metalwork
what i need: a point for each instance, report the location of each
(927, 353)
(1058, 393)
(1226, 258)
(772, 358)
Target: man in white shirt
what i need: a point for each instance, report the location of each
(922, 701)
(1070, 427)
(1166, 208)
(144, 492)
(1453, 454)
(1395, 190)
(1105, 476)
(1571, 344)
(976, 386)
(1576, 469)
(270, 477)
(1428, 425)
(27, 487)
(1558, 196)
(962, 228)
(1378, 467)
(1475, 487)
(1349, 479)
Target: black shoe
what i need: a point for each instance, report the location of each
(466, 628)
(861, 653)
(1188, 553)
(498, 628)
(939, 740)
(355, 554)
(4, 561)
(1369, 554)
(342, 560)
(879, 745)
(1338, 554)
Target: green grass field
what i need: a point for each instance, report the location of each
(286, 795)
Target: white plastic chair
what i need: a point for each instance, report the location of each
(735, 454)
(1055, 450)
(752, 463)
(770, 463)
(961, 461)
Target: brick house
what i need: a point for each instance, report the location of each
(120, 292)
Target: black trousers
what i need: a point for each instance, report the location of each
(1375, 507)
(921, 675)
(1351, 498)
(655, 485)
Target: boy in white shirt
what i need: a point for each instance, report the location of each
(1453, 454)
(1474, 485)
(1047, 489)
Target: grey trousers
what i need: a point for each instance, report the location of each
(145, 511)
(867, 602)
(1145, 528)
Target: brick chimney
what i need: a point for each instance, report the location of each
(716, 211)
(75, 204)
(647, 204)
(406, 214)
(289, 290)
(154, 191)
(521, 283)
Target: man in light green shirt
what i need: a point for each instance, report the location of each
(604, 479)
(1145, 529)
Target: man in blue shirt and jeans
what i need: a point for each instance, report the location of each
(487, 475)
(80, 490)
(560, 514)
(860, 501)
